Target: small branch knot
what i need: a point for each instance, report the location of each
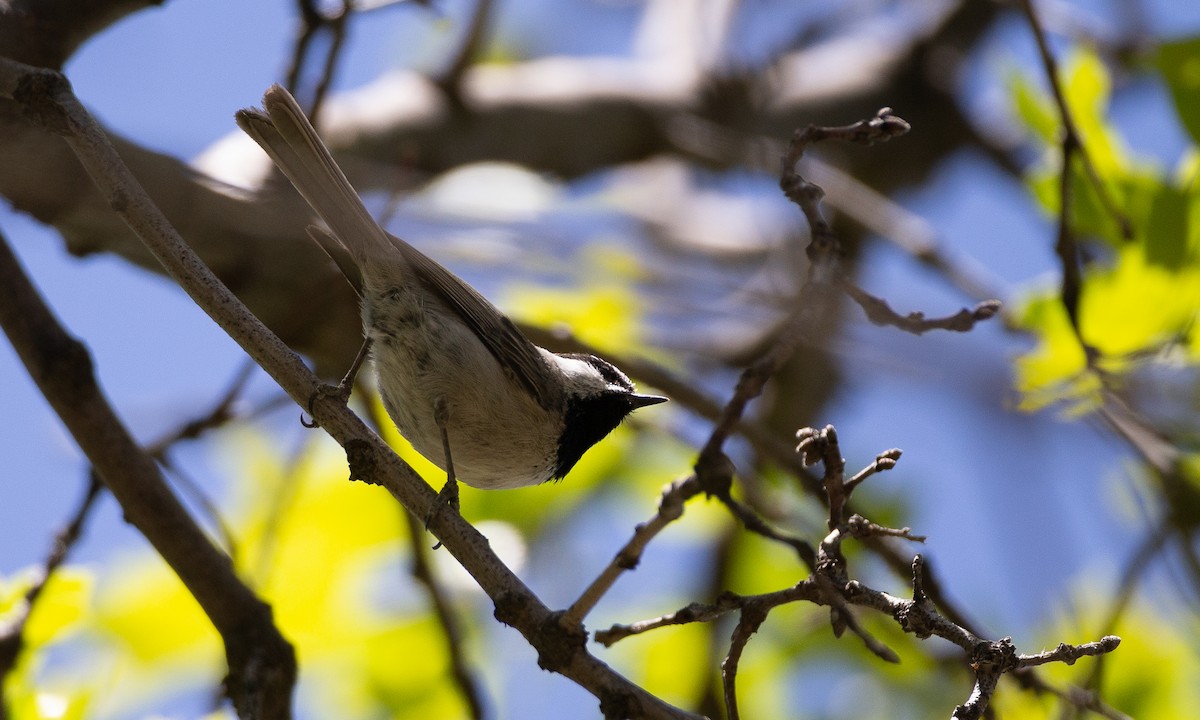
(999, 656)
(715, 473)
(360, 458)
(39, 92)
(557, 644)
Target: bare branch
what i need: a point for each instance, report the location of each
(262, 665)
(880, 313)
(885, 460)
(13, 629)
(751, 619)
(829, 585)
(313, 20)
(670, 509)
(1068, 654)
(695, 612)
(1072, 139)
(825, 250)
(451, 78)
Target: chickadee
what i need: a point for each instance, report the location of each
(452, 370)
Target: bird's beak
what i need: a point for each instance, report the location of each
(640, 401)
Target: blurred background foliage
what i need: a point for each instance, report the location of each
(1052, 517)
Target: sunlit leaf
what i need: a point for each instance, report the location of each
(1136, 306)
(147, 608)
(63, 601)
(30, 691)
(1034, 108)
(1087, 88)
(26, 704)
(606, 314)
(1128, 309)
(1131, 190)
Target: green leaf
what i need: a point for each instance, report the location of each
(1136, 306)
(1167, 228)
(1179, 64)
(1132, 190)
(1034, 108)
(1126, 310)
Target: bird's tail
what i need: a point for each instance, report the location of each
(284, 132)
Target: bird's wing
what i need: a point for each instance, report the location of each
(511, 348)
(340, 256)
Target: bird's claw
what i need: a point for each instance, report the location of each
(447, 497)
(339, 392)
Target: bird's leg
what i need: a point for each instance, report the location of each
(347, 380)
(342, 390)
(448, 495)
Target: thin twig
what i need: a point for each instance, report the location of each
(851, 197)
(450, 78)
(880, 313)
(12, 633)
(1068, 654)
(753, 522)
(825, 250)
(694, 612)
(884, 461)
(670, 509)
(829, 585)
(726, 602)
(824, 253)
(313, 20)
(1072, 147)
(1072, 138)
(338, 27)
(219, 415)
(752, 618)
(464, 676)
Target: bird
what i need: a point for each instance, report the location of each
(462, 383)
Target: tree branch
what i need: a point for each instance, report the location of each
(829, 585)
(12, 631)
(262, 665)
